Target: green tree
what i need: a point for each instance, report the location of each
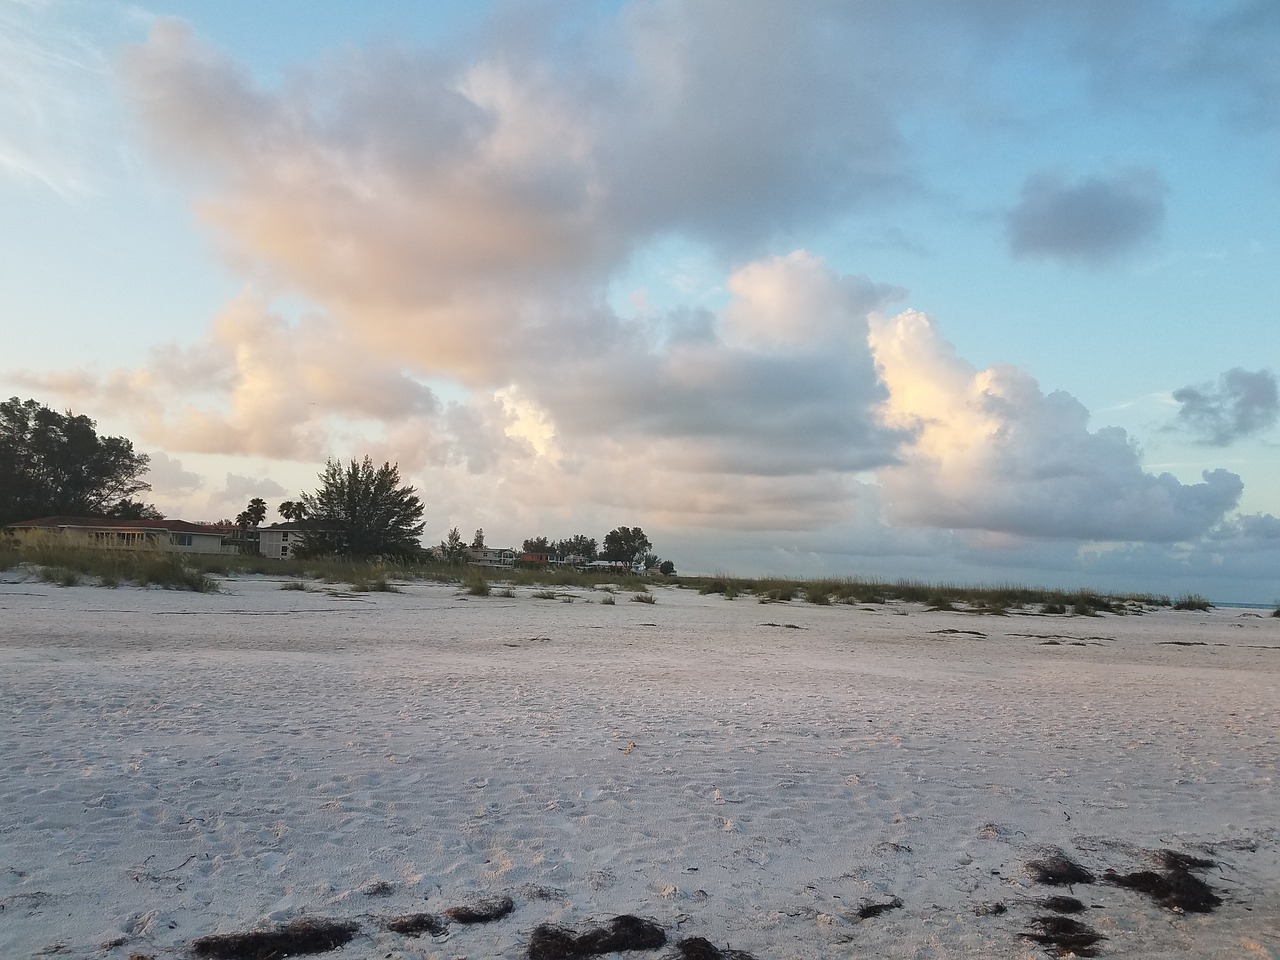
(54, 463)
(626, 545)
(291, 510)
(361, 511)
(127, 509)
(453, 550)
(667, 568)
(477, 542)
(253, 514)
(537, 545)
(579, 545)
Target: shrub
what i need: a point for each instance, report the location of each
(818, 593)
(1053, 608)
(642, 598)
(378, 584)
(1192, 601)
(715, 586)
(62, 576)
(545, 595)
(294, 585)
(608, 601)
(477, 585)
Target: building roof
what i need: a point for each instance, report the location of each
(113, 523)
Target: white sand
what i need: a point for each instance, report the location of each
(175, 765)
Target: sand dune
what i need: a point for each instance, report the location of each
(772, 778)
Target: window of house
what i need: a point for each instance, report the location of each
(284, 550)
(180, 539)
(284, 536)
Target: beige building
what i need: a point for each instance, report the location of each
(174, 536)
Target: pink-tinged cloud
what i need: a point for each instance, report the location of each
(995, 453)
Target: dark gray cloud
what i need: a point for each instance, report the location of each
(1091, 220)
(1242, 403)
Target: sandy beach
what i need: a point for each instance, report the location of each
(175, 766)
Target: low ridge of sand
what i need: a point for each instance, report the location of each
(787, 780)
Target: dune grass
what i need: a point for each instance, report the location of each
(998, 600)
(58, 561)
(55, 561)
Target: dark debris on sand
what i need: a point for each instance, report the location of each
(869, 910)
(1066, 937)
(416, 924)
(1174, 889)
(700, 948)
(623, 932)
(1173, 860)
(299, 937)
(482, 910)
(990, 909)
(1062, 904)
(1058, 870)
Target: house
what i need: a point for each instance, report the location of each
(280, 540)
(173, 536)
(500, 557)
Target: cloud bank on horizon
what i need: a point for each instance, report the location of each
(458, 225)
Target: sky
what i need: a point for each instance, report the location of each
(979, 292)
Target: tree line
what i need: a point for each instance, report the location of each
(56, 464)
(622, 545)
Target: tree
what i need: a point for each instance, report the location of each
(291, 510)
(253, 514)
(667, 568)
(361, 511)
(537, 545)
(477, 542)
(626, 545)
(127, 509)
(579, 545)
(54, 463)
(452, 550)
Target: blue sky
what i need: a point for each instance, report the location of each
(978, 291)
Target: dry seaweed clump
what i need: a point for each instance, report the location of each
(700, 948)
(869, 910)
(1175, 889)
(623, 932)
(1066, 937)
(416, 924)
(1058, 870)
(482, 910)
(1062, 904)
(299, 937)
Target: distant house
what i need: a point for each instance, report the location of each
(174, 536)
(500, 557)
(608, 566)
(280, 540)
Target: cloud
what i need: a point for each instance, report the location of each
(256, 384)
(168, 478)
(994, 453)
(456, 221)
(239, 490)
(1243, 403)
(1091, 220)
